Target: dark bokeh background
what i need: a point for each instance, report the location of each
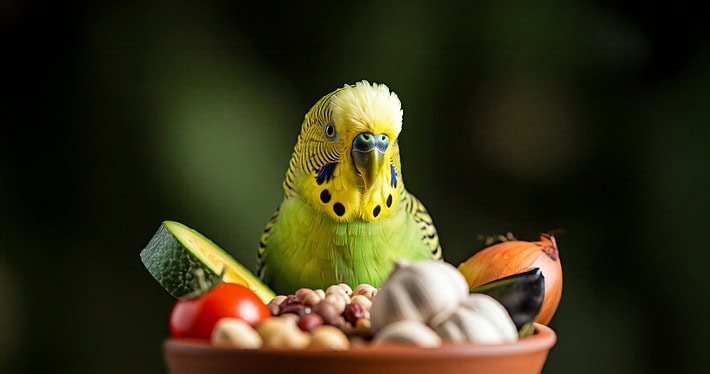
(591, 117)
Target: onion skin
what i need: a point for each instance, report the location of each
(511, 257)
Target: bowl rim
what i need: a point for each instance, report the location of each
(543, 339)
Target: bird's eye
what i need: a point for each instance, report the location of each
(329, 131)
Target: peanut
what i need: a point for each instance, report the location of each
(329, 337)
(339, 301)
(365, 290)
(279, 332)
(363, 301)
(308, 297)
(234, 332)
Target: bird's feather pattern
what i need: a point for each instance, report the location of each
(331, 227)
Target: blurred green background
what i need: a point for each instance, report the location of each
(591, 117)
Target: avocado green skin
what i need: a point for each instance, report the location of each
(175, 267)
(187, 264)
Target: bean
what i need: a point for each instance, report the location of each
(310, 321)
(290, 305)
(361, 300)
(308, 297)
(334, 318)
(353, 312)
(329, 313)
(293, 308)
(274, 305)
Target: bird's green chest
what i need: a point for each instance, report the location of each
(309, 249)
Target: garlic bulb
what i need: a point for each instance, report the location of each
(408, 332)
(418, 291)
(480, 319)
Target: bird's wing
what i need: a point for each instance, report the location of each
(421, 216)
(263, 242)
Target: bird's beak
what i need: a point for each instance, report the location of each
(369, 155)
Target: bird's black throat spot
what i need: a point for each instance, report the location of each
(389, 200)
(325, 196)
(325, 173)
(339, 209)
(376, 211)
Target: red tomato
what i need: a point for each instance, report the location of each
(196, 317)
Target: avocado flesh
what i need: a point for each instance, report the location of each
(186, 263)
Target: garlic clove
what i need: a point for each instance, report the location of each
(468, 326)
(407, 332)
(492, 309)
(479, 319)
(418, 291)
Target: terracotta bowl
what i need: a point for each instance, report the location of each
(525, 356)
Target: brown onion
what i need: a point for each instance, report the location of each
(511, 257)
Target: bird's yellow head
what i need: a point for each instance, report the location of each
(346, 161)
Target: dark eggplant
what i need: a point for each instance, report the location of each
(521, 294)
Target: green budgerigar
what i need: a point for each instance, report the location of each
(346, 215)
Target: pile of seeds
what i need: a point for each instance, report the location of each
(339, 305)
